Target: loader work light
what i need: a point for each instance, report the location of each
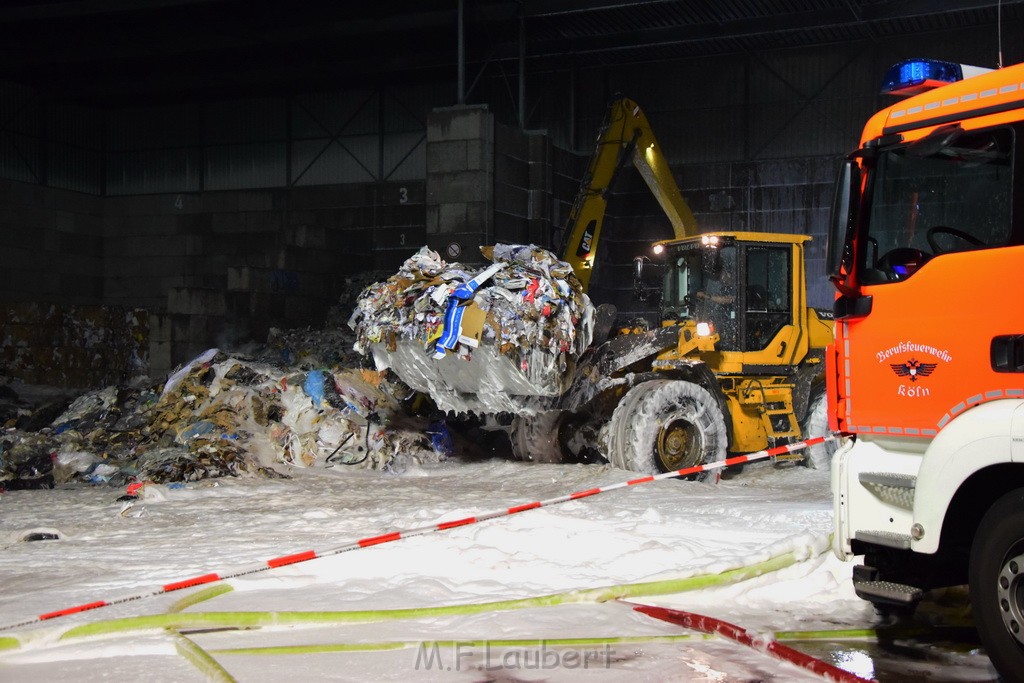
(914, 76)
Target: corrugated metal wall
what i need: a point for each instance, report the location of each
(758, 105)
(316, 139)
(20, 134)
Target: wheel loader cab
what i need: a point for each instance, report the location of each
(746, 290)
(742, 288)
(700, 285)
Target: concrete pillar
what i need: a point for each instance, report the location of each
(460, 181)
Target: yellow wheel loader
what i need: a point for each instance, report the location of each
(734, 366)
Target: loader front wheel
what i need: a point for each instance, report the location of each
(535, 438)
(667, 425)
(815, 423)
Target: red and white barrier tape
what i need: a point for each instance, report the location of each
(406, 533)
(705, 624)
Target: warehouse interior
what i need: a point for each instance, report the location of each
(182, 174)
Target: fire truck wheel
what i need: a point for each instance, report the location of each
(667, 425)
(815, 423)
(535, 438)
(997, 583)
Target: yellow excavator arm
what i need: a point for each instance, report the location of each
(625, 137)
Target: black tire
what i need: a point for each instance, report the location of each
(535, 438)
(666, 425)
(894, 614)
(997, 584)
(815, 423)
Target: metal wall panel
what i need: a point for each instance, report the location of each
(755, 105)
(154, 127)
(20, 147)
(406, 110)
(255, 120)
(349, 159)
(74, 168)
(321, 115)
(78, 126)
(19, 110)
(238, 167)
(405, 156)
(805, 102)
(20, 157)
(74, 159)
(153, 171)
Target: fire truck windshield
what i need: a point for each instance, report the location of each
(949, 192)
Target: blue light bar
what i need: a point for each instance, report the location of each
(917, 75)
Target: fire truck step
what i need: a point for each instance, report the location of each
(891, 487)
(903, 481)
(888, 592)
(889, 539)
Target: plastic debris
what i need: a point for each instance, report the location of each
(440, 438)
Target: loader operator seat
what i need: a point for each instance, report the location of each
(757, 298)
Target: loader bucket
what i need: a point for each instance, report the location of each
(486, 381)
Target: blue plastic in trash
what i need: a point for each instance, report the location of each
(200, 428)
(441, 438)
(314, 386)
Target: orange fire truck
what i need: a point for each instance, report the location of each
(927, 371)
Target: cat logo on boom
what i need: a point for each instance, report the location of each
(587, 240)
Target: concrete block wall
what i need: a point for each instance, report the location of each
(460, 192)
(211, 269)
(52, 245)
(486, 183)
(223, 268)
(523, 186)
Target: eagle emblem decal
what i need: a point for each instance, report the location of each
(913, 369)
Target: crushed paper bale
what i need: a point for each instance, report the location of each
(490, 340)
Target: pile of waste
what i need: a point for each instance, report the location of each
(222, 415)
(305, 348)
(486, 341)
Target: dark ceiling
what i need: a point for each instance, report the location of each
(110, 52)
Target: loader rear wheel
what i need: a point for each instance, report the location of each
(815, 423)
(666, 425)
(535, 438)
(997, 583)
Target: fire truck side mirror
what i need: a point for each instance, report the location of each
(839, 243)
